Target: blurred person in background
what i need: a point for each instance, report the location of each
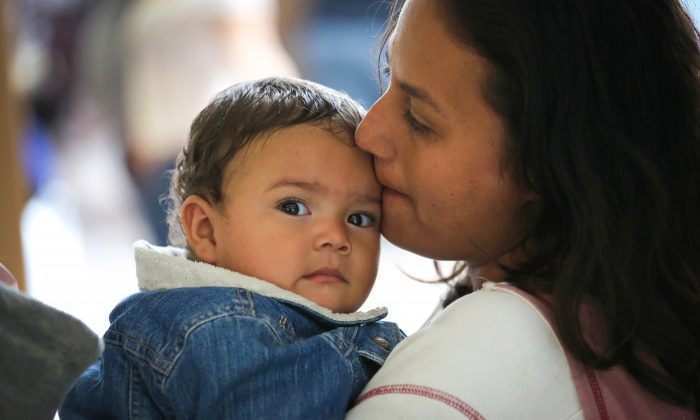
(137, 72)
(43, 73)
(333, 42)
(178, 54)
(113, 85)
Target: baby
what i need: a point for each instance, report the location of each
(254, 316)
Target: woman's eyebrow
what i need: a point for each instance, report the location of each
(412, 90)
(420, 94)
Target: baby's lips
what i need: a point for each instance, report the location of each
(6, 277)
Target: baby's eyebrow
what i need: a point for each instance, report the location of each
(369, 199)
(320, 188)
(310, 186)
(420, 94)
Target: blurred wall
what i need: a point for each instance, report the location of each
(11, 184)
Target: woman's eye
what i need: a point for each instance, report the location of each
(361, 219)
(384, 79)
(386, 72)
(414, 124)
(294, 208)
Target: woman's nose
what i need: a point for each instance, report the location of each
(332, 236)
(372, 135)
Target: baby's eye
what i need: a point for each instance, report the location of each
(294, 207)
(361, 219)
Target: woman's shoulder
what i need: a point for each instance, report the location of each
(491, 324)
(490, 353)
(492, 307)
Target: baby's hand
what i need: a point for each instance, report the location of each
(6, 278)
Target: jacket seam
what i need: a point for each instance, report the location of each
(163, 383)
(169, 363)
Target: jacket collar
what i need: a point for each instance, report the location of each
(159, 268)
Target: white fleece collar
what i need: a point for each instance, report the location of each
(159, 268)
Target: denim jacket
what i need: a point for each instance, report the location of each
(202, 342)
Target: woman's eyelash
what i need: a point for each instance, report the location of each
(414, 124)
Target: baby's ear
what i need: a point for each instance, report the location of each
(198, 226)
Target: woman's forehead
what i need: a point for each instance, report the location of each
(428, 63)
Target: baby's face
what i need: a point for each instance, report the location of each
(301, 210)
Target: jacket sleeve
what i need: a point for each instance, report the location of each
(239, 367)
(488, 355)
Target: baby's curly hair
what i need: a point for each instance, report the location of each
(239, 115)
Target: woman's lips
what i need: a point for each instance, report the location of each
(387, 186)
(326, 275)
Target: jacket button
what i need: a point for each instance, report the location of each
(381, 342)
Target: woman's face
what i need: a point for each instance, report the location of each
(440, 150)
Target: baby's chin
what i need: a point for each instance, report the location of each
(338, 304)
(335, 304)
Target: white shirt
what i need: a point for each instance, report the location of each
(490, 354)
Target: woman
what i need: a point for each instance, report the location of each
(554, 148)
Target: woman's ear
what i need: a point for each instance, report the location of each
(198, 225)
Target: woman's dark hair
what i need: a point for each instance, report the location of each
(601, 101)
(244, 113)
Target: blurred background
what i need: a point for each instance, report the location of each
(97, 98)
